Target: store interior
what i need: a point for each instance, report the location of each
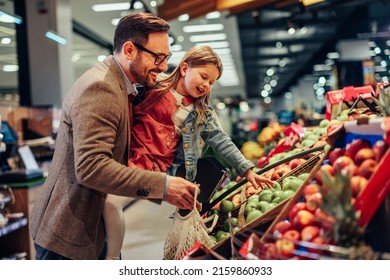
(281, 60)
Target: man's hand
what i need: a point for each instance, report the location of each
(181, 193)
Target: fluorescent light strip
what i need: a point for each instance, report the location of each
(56, 38)
(116, 6)
(202, 28)
(10, 68)
(213, 15)
(208, 37)
(8, 18)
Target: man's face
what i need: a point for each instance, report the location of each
(143, 68)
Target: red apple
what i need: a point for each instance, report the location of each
(324, 168)
(356, 145)
(294, 210)
(345, 163)
(367, 167)
(318, 244)
(363, 154)
(335, 154)
(292, 234)
(313, 201)
(281, 227)
(285, 248)
(308, 233)
(303, 218)
(358, 184)
(379, 149)
(268, 251)
(311, 189)
(294, 163)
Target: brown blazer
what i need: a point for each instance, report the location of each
(89, 162)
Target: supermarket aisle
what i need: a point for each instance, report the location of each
(147, 226)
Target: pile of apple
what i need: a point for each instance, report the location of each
(306, 221)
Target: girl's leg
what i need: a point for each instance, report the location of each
(115, 224)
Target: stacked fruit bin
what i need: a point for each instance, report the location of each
(331, 216)
(256, 209)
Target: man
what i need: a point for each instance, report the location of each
(92, 147)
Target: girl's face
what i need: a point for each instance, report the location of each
(197, 81)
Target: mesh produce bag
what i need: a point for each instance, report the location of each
(186, 231)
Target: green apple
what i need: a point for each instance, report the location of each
(324, 123)
(231, 222)
(277, 200)
(292, 184)
(265, 195)
(254, 197)
(221, 234)
(250, 206)
(289, 193)
(277, 186)
(303, 176)
(264, 206)
(253, 215)
(278, 194)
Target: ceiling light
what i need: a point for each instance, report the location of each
(213, 15)
(291, 30)
(208, 37)
(6, 41)
(176, 48)
(116, 6)
(333, 55)
(203, 27)
(8, 18)
(264, 93)
(10, 68)
(115, 21)
(183, 17)
(303, 30)
(288, 95)
(101, 57)
(267, 100)
(270, 72)
(153, 3)
(244, 106)
(214, 45)
(56, 38)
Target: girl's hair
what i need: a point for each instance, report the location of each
(136, 28)
(197, 56)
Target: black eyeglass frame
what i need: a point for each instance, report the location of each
(159, 58)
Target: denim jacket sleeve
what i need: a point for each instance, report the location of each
(222, 144)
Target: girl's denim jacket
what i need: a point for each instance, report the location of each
(190, 148)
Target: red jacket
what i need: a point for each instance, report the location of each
(154, 137)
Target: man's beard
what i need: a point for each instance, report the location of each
(136, 71)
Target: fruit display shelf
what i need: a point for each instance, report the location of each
(301, 221)
(261, 223)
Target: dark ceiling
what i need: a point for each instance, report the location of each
(266, 43)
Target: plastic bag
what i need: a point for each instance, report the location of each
(186, 231)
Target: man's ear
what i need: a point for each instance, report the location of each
(129, 50)
(183, 69)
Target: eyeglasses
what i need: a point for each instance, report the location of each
(159, 57)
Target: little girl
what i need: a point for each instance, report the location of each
(171, 125)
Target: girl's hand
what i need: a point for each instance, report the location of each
(257, 180)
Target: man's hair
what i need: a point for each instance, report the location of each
(136, 28)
